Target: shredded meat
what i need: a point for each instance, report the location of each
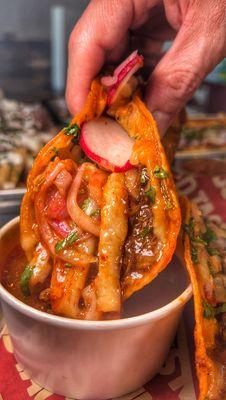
(45, 295)
(140, 246)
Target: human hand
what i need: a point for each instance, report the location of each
(109, 29)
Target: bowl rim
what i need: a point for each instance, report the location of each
(70, 323)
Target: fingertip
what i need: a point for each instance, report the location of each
(75, 99)
(85, 61)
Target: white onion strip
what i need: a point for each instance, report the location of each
(77, 215)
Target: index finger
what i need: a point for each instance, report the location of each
(90, 42)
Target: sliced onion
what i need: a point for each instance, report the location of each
(63, 181)
(83, 221)
(75, 258)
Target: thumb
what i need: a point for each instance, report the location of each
(195, 51)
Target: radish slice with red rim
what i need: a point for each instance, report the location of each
(107, 143)
(121, 75)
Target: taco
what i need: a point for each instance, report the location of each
(205, 258)
(101, 217)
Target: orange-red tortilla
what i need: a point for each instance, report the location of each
(149, 152)
(211, 374)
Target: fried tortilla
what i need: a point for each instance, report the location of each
(205, 257)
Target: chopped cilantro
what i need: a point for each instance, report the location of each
(190, 229)
(145, 232)
(151, 193)
(87, 207)
(198, 239)
(56, 153)
(86, 204)
(208, 310)
(169, 205)
(194, 255)
(66, 242)
(68, 265)
(203, 238)
(95, 213)
(72, 130)
(25, 278)
(160, 172)
(212, 251)
(208, 236)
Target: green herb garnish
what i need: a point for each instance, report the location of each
(212, 251)
(86, 204)
(194, 255)
(66, 242)
(203, 238)
(56, 153)
(72, 130)
(221, 309)
(151, 193)
(55, 150)
(169, 205)
(68, 265)
(189, 229)
(145, 232)
(199, 240)
(144, 176)
(25, 278)
(95, 213)
(208, 310)
(160, 172)
(208, 236)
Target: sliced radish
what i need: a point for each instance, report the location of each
(107, 143)
(121, 76)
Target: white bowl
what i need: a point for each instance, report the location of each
(103, 359)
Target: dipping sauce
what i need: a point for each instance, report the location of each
(11, 273)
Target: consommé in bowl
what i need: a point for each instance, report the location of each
(89, 359)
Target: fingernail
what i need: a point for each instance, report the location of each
(163, 121)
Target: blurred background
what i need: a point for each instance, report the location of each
(26, 29)
(31, 32)
(33, 53)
